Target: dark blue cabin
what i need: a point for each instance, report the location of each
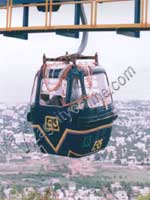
(72, 109)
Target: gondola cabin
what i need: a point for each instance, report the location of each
(71, 108)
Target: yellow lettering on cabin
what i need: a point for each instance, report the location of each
(97, 145)
(51, 123)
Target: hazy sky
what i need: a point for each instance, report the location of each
(19, 59)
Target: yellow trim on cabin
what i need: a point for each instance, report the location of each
(67, 131)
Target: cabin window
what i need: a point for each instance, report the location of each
(34, 88)
(74, 93)
(76, 90)
(53, 92)
(98, 91)
(77, 94)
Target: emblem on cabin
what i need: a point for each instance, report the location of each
(51, 124)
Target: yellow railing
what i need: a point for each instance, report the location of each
(93, 22)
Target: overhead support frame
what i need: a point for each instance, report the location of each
(141, 21)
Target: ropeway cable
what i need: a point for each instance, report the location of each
(84, 40)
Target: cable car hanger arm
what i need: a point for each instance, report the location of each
(70, 58)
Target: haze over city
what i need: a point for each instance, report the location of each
(21, 59)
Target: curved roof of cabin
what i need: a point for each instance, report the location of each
(56, 72)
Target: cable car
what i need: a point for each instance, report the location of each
(71, 106)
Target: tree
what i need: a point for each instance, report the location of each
(127, 187)
(57, 186)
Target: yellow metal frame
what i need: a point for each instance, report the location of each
(93, 25)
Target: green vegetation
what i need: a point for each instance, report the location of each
(91, 182)
(37, 196)
(127, 175)
(47, 195)
(145, 197)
